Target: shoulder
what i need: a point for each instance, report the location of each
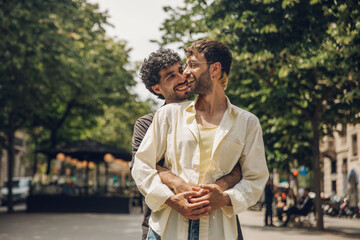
(143, 123)
(172, 109)
(146, 119)
(244, 116)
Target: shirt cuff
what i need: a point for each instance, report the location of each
(157, 198)
(238, 201)
(228, 211)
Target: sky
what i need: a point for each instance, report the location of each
(137, 22)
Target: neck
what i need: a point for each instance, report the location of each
(212, 102)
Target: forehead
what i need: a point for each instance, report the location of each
(166, 71)
(199, 57)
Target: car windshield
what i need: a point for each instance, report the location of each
(18, 183)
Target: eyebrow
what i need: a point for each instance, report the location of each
(166, 75)
(171, 72)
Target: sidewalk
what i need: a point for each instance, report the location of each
(49, 226)
(252, 224)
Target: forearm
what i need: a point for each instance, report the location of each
(175, 183)
(230, 180)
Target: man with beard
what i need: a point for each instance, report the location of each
(201, 141)
(162, 74)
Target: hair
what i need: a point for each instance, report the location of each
(157, 61)
(214, 51)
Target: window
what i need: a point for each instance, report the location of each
(333, 186)
(333, 166)
(344, 166)
(342, 134)
(354, 145)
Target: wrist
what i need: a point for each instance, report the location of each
(227, 199)
(222, 184)
(177, 183)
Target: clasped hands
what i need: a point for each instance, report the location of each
(194, 202)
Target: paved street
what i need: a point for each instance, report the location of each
(252, 223)
(24, 226)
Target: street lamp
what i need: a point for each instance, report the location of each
(60, 157)
(108, 158)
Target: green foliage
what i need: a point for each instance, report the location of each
(59, 70)
(116, 125)
(296, 66)
(293, 61)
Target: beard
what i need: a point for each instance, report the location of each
(203, 84)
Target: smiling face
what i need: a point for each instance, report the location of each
(173, 86)
(197, 71)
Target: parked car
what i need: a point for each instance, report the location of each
(20, 190)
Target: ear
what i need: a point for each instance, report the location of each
(156, 88)
(216, 68)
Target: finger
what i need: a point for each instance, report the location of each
(189, 194)
(195, 188)
(200, 212)
(207, 187)
(199, 199)
(201, 193)
(198, 205)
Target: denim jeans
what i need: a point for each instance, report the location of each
(152, 235)
(193, 233)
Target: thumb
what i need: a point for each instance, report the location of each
(207, 187)
(190, 194)
(195, 188)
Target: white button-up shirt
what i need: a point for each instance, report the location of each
(174, 135)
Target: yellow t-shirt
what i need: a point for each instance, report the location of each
(207, 135)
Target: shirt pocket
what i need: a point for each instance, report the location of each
(228, 155)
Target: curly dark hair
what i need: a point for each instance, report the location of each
(157, 61)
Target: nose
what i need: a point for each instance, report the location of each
(181, 77)
(186, 70)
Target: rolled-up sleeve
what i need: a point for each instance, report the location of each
(144, 172)
(254, 171)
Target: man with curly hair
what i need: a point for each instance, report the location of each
(201, 141)
(162, 74)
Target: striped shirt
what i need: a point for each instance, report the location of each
(140, 128)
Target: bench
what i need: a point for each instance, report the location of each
(307, 220)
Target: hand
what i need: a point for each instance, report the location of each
(214, 195)
(182, 186)
(180, 202)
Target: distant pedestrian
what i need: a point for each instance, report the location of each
(269, 195)
(290, 200)
(304, 209)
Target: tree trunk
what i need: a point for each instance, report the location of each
(317, 175)
(53, 142)
(35, 155)
(10, 151)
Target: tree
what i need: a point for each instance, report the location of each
(58, 70)
(115, 127)
(26, 28)
(295, 63)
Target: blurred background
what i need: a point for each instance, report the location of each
(70, 93)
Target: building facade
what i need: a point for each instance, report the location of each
(19, 152)
(341, 158)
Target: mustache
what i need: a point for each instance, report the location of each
(185, 82)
